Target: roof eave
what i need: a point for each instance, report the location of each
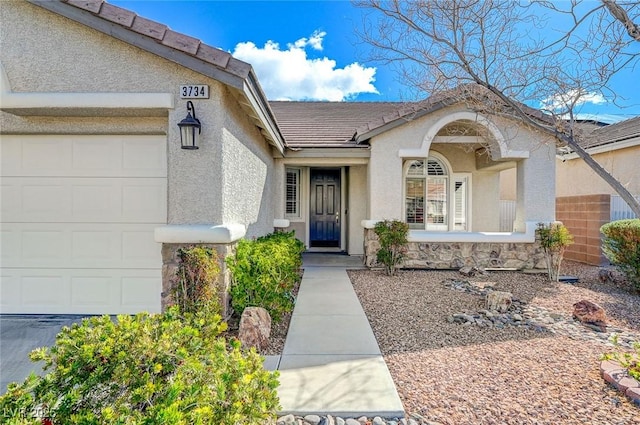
(390, 125)
(239, 76)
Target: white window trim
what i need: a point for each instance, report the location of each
(452, 177)
(299, 215)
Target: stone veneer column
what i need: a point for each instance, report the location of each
(223, 238)
(170, 261)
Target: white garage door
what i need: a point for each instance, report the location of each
(77, 220)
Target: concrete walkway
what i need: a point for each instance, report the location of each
(331, 363)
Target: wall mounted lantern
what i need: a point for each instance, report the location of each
(188, 128)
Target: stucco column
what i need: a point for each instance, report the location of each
(385, 183)
(535, 192)
(279, 177)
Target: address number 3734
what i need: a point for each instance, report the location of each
(194, 91)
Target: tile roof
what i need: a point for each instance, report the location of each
(613, 133)
(326, 124)
(163, 35)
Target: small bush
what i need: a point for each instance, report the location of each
(628, 360)
(392, 235)
(554, 239)
(195, 285)
(265, 272)
(621, 245)
(152, 369)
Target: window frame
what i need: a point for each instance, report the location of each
(298, 201)
(452, 178)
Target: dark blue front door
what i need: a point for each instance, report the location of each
(324, 217)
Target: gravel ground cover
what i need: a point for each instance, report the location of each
(452, 374)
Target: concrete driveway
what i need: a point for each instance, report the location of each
(19, 334)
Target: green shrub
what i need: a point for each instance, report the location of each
(145, 369)
(265, 272)
(392, 235)
(621, 245)
(554, 239)
(196, 282)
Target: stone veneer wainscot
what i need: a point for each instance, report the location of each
(457, 249)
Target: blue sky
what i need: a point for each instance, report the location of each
(309, 49)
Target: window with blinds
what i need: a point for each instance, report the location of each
(435, 199)
(292, 196)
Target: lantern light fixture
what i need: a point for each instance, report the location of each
(188, 127)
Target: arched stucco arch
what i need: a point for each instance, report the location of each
(503, 151)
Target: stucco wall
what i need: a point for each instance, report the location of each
(385, 179)
(248, 183)
(69, 57)
(574, 177)
(357, 208)
(508, 184)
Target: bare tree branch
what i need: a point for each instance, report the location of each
(621, 15)
(441, 45)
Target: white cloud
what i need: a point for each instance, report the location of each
(561, 102)
(291, 75)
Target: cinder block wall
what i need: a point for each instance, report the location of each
(583, 216)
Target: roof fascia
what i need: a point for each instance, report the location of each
(260, 105)
(609, 147)
(398, 122)
(329, 153)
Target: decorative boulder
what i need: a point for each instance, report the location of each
(590, 314)
(255, 328)
(499, 301)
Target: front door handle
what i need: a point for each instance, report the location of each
(337, 217)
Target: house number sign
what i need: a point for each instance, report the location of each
(194, 91)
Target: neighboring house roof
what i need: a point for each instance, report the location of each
(326, 124)
(187, 51)
(613, 133)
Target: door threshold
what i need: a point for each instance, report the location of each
(328, 250)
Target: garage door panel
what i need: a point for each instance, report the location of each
(84, 200)
(44, 246)
(51, 289)
(144, 200)
(10, 245)
(45, 155)
(80, 245)
(101, 291)
(144, 155)
(83, 156)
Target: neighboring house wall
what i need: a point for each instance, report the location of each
(584, 215)
(575, 177)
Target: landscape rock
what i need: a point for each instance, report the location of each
(312, 419)
(255, 328)
(469, 271)
(499, 301)
(590, 313)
